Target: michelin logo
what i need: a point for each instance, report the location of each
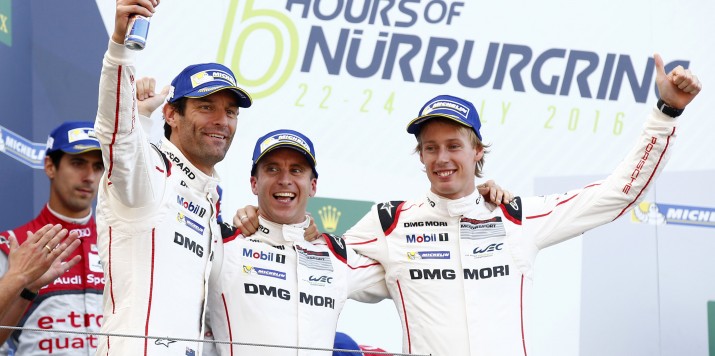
(193, 225)
(658, 214)
(264, 272)
(428, 255)
(447, 104)
(21, 149)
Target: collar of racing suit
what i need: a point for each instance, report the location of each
(67, 219)
(194, 178)
(459, 207)
(279, 234)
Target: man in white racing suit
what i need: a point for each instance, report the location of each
(461, 274)
(274, 287)
(156, 211)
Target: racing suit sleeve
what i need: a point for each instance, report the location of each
(11, 313)
(4, 334)
(128, 156)
(150, 129)
(5, 240)
(365, 276)
(366, 279)
(554, 218)
(13, 307)
(367, 237)
(9, 293)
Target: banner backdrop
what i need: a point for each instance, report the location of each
(562, 89)
(637, 286)
(50, 59)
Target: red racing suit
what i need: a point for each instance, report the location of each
(156, 221)
(72, 302)
(461, 274)
(276, 288)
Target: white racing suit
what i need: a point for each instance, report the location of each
(461, 274)
(156, 222)
(276, 288)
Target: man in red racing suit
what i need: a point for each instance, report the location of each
(74, 300)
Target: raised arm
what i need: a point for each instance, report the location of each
(554, 218)
(129, 159)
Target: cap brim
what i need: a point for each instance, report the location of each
(296, 147)
(78, 148)
(414, 126)
(299, 148)
(244, 99)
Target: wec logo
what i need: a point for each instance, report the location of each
(321, 279)
(490, 248)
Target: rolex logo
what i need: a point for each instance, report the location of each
(6, 22)
(3, 23)
(329, 216)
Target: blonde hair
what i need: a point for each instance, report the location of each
(472, 136)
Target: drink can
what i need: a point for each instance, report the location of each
(137, 32)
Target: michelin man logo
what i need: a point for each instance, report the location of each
(647, 213)
(247, 269)
(200, 78)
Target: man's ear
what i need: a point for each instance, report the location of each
(170, 115)
(480, 153)
(254, 188)
(50, 168)
(313, 187)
